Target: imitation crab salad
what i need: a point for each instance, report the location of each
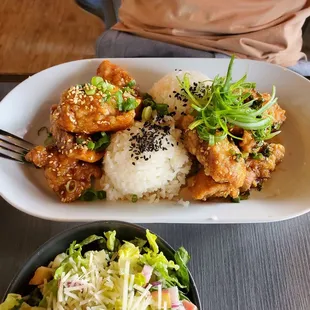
(211, 138)
(101, 272)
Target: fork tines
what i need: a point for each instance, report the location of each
(13, 147)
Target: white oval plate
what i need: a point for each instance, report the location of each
(25, 109)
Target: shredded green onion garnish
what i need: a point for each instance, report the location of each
(134, 198)
(92, 195)
(225, 104)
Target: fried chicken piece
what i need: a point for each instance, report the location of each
(222, 161)
(248, 142)
(265, 166)
(81, 113)
(226, 163)
(275, 110)
(39, 156)
(67, 177)
(113, 74)
(205, 187)
(249, 181)
(66, 143)
(261, 169)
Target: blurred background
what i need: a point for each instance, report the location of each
(36, 34)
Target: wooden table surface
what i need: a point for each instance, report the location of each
(37, 34)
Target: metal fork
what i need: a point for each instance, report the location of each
(13, 147)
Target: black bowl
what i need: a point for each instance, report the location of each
(59, 243)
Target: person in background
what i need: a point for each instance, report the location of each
(267, 30)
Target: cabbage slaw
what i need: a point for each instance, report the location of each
(101, 272)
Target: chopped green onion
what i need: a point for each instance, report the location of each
(101, 195)
(146, 113)
(131, 84)
(162, 109)
(105, 98)
(130, 104)
(91, 145)
(105, 86)
(258, 156)
(134, 198)
(71, 186)
(90, 91)
(195, 124)
(92, 195)
(49, 141)
(235, 200)
(96, 80)
(102, 143)
(266, 151)
(79, 140)
(119, 100)
(147, 100)
(251, 126)
(242, 196)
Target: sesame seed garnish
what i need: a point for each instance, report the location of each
(148, 139)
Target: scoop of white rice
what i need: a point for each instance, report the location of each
(167, 90)
(146, 160)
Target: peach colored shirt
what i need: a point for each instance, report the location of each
(268, 30)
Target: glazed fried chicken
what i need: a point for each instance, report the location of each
(260, 169)
(275, 111)
(221, 161)
(67, 143)
(225, 171)
(67, 177)
(113, 74)
(82, 113)
(205, 187)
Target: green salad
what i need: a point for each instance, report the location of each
(102, 272)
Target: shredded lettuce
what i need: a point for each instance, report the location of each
(128, 252)
(139, 279)
(182, 257)
(151, 238)
(12, 301)
(111, 236)
(119, 265)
